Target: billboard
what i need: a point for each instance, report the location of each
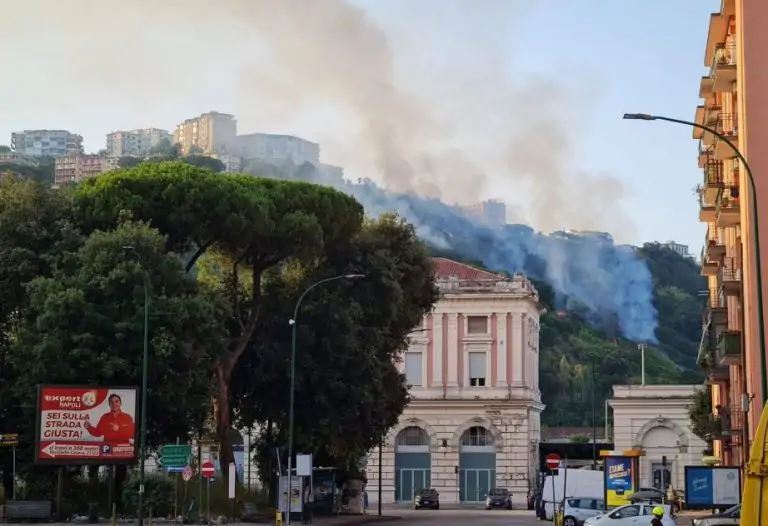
(619, 480)
(712, 487)
(86, 425)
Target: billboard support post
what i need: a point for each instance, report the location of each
(13, 453)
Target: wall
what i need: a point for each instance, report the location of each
(655, 418)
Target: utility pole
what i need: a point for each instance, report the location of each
(641, 346)
(594, 416)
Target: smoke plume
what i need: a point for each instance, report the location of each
(440, 105)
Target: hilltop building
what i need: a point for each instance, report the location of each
(473, 422)
(211, 132)
(135, 143)
(46, 143)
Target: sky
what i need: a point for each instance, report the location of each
(457, 99)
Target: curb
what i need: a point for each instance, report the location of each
(357, 521)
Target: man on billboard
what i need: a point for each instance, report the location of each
(116, 426)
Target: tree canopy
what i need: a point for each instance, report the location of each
(225, 258)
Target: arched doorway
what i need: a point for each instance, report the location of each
(413, 463)
(477, 464)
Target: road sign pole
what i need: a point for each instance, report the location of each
(209, 501)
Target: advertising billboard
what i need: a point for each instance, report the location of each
(712, 487)
(619, 480)
(86, 425)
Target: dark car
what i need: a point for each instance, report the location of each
(426, 498)
(498, 498)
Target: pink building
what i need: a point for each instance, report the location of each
(474, 420)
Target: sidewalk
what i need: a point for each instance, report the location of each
(353, 520)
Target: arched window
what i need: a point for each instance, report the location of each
(476, 436)
(412, 436)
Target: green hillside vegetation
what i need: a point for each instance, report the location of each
(568, 345)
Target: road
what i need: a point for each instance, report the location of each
(463, 517)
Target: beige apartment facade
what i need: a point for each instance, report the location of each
(735, 103)
(71, 169)
(135, 143)
(473, 422)
(211, 132)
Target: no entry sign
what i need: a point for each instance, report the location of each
(553, 461)
(208, 470)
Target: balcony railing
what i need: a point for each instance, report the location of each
(727, 124)
(728, 350)
(726, 421)
(713, 173)
(725, 55)
(727, 211)
(714, 312)
(730, 270)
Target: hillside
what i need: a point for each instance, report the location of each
(568, 342)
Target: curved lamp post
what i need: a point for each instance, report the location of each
(144, 376)
(293, 323)
(755, 227)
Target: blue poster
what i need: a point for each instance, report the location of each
(708, 487)
(619, 481)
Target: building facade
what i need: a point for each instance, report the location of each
(72, 169)
(490, 212)
(654, 419)
(733, 350)
(271, 147)
(677, 248)
(135, 143)
(473, 422)
(211, 132)
(46, 143)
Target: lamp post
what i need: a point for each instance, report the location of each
(755, 227)
(594, 414)
(144, 375)
(292, 395)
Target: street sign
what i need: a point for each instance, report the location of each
(208, 470)
(175, 456)
(9, 440)
(186, 474)
(553, 461)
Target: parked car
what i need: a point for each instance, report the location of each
(632, 515)
(426, 498)
(578, 510)
(729, 517)
(498, 498)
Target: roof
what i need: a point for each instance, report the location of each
(445, 268)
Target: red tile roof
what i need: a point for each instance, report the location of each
(445, 268)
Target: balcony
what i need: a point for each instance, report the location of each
(723, 70)
(713, 179)
(715, 314)
(728, 125)
(707, 209)
(714, 244)
(729, 277)
(706, 153)
(706, 115)
(728, 349)
(727, 209)
(727, 421)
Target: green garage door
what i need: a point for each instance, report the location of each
(477, 465)
(413, 463)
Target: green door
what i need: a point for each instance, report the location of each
(477, 475)
(412, 473)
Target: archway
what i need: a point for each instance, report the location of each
(477, 464)
(413, 463)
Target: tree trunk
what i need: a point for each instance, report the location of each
(223, 414)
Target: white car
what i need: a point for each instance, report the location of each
(578, 510)
(632, 515)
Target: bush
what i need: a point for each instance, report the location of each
(158, 494)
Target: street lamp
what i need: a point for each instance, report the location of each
(144, 376)
(755, 227)
(293, 323)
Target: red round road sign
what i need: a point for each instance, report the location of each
(553, 461)
(208, 470)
